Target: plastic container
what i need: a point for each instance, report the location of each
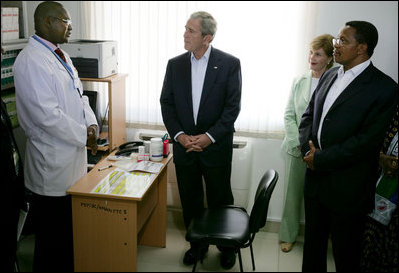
(141, 155)
(165, 148)
(156, 149)
(147, 145)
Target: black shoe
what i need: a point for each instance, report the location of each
(190, 255)
(228, 259)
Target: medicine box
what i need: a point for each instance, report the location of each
(9, 24)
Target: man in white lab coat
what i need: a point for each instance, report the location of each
(58, 123)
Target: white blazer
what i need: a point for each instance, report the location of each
(54, 116)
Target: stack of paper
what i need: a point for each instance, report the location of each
(123, 183)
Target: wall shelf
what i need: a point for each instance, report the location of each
(117, 110)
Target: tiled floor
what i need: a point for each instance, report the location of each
(268, 257)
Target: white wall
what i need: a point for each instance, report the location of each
(331, 16)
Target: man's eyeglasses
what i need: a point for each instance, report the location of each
(65, 21)
(339, 41)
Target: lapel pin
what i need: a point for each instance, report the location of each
(215, 67)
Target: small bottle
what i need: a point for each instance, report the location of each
(156, 149)
(141, 155)
(147, 145)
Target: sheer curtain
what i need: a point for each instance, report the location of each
(270, 38)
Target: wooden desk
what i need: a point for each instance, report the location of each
(107, 228)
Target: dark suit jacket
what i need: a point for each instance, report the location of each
(13, 182)
(218, 110)
(346, 168)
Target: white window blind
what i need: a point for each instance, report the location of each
(270, 39)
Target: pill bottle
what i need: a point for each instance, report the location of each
(147, 145)
(165, 148)
(141, 155)
(156, 149)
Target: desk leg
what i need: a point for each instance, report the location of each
(154, 231)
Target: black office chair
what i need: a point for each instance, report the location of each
(231, 226)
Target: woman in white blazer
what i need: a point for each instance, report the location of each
(320, 59)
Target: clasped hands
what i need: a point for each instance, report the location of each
(92, 138)
(195, 143)
(309, 157)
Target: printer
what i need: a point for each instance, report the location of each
(93, 58)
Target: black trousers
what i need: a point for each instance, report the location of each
(52, 225)
(10, 225)
(217, 188)
(346, 230)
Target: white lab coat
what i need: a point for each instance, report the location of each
(55, 119)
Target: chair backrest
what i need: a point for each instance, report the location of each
(263, 194)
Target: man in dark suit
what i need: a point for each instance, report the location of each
(341, 134)
(200, 102)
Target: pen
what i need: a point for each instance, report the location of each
(106, 167)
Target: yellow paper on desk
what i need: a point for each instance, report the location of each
(123, 183)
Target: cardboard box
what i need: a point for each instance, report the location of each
(9, 24)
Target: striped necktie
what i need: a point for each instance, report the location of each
(59, 53)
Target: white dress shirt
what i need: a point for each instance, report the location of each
(198, 72)
(342, 81)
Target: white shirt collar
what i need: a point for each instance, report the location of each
(206, 54)
(356, 70)
(48, 43)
